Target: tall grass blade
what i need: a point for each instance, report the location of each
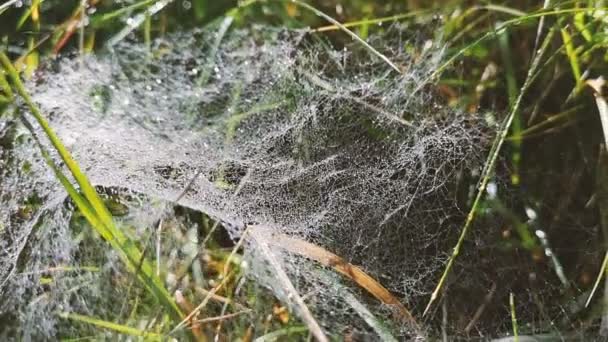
(374, 21)
(505, 49)
(513, 317)
(92, 205)
(489, 168)
(99, 19)
(119, 328)
(572, 58)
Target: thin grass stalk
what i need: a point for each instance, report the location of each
(97, 20)
(353, 35)
(349, 32)
(375, 21)
(513, 317)
(118, 328)
(282, 278)
(488, 169)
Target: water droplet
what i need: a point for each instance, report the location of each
(531, 213)
(492, 190)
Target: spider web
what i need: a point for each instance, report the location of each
(265, 128)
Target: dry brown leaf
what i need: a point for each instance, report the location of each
(352, 272)
(281, 313)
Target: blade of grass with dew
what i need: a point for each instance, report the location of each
(532, 75)
(137, 21)
(32, 57)
(147, 28)
(488, 169)
(99, 19)
(415, 14)
(93, 207)
(559, 50)
(504, 9)
(551, 59)
(118, 328)
(541, 26)
(89, 192)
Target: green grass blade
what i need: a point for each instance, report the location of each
(99, 19)
(572, 58)
(119, 328)
(374, 21)
(94, 208)
(513, 317)
(82, 204)
(6, 88)
(489, 168)
(89, 192)
(200, 9)
(509, 69)
(579, 23)
(28, 13)
(504, 9)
